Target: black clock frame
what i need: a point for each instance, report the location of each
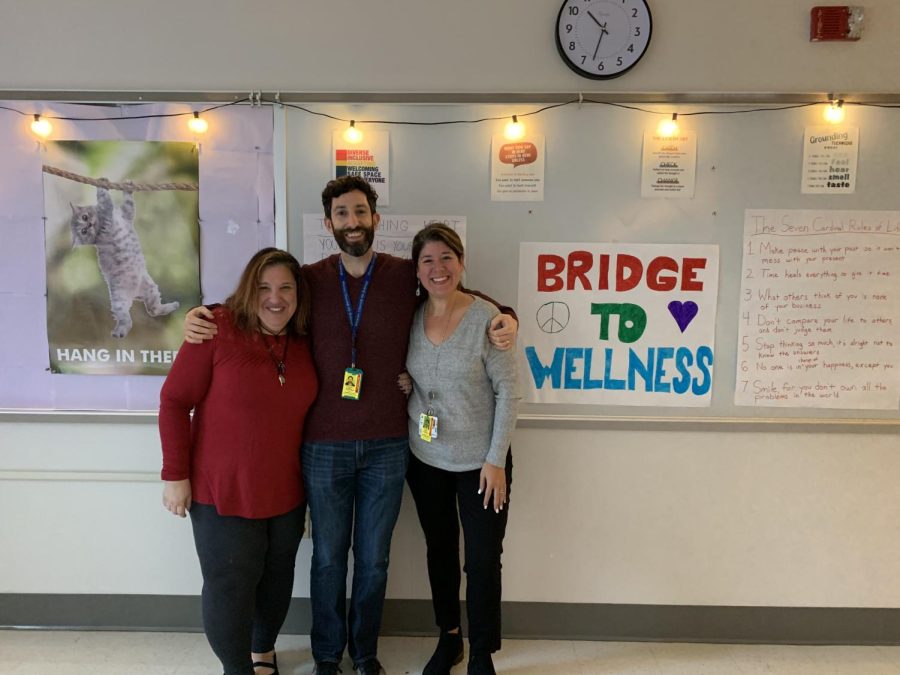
(590, 74)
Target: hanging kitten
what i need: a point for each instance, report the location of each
(120, 257)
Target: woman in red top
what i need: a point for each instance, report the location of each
(235, 466)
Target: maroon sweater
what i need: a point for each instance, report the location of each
(381, 347)
(241, 450)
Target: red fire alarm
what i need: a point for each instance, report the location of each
(835, 23)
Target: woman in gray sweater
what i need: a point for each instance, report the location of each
(462, 411)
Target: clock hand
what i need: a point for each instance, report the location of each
(595, 19)
(603, 32)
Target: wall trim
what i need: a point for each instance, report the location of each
(116, 96)
(527, 620)
(528, 420)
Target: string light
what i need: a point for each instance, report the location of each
(352, 134)
(668, 128)
(834, 113)
(197, 124)
(836, 104)
(41, 127)
(514, 130)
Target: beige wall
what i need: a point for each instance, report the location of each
(414, 46)
(794, 519)
(710, 518)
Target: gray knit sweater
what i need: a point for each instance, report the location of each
(475, 391)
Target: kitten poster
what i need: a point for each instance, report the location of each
(122, 249)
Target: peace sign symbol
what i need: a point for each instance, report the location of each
(552, 317)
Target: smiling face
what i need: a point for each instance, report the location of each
(439, 269)
(276, 298)
(352, 223)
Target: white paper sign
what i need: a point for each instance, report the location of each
(369, 159)
(830, 156)
(669, 165)
(617, 324)
(820, 307)
(517, 169)
(394, 234)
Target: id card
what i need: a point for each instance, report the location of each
(428, 427)
(352, 384)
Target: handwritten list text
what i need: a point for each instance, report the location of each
(820, 310)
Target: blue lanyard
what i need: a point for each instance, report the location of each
(354, 320)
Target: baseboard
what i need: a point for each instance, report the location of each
(531, 620)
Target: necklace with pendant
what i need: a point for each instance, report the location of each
(279, 363)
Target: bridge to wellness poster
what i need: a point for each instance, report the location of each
(617, 324)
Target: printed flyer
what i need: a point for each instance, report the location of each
(517, 169)
(669, 165)
(370, 158)
(830, 157)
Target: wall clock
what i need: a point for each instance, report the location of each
(602, 39)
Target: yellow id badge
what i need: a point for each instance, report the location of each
(427, 427)
(352, 384)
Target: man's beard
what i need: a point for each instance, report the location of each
(359, 248)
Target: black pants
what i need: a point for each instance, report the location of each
(248, 575)
(443, 499)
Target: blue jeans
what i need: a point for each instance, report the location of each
(353, 488)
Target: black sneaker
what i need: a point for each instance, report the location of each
(370, 667)
(448, 653)
(327, 668)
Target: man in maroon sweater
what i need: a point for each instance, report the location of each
(356, 447)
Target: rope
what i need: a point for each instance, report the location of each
(127, 186)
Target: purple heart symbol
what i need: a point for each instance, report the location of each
(683, 312)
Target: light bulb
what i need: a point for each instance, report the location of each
(41, 127)
(514, 130)
(197, 124)
(834, 113)
(668, 128)
(352, 134)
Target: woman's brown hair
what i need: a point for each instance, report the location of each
(243, 302)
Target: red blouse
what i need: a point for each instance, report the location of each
(241, 450)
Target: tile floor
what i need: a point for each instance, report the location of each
(26, 652)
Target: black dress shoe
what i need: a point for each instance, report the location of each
(481, 664)
(448, 653)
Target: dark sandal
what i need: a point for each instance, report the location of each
(266, 664)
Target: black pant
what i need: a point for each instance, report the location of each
(248, 576)
(437, 494)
